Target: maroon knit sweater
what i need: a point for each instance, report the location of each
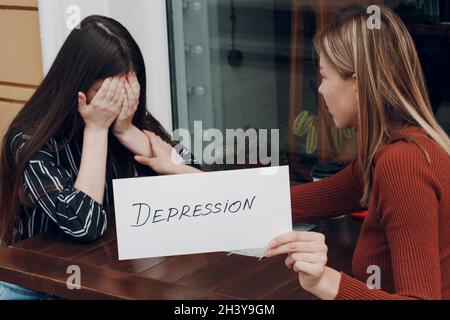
(407, 230)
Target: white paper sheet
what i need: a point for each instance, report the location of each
(197, 213)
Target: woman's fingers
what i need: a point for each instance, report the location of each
(312, 269)
(122, 99)
(306, 257)
(308, 247)
(163, 150)
(130, 97)
(119, 94)
(296, 236)
(134, 84)
(82, 100)
(286, 242)
(149, 162)
(112, 91)
(303, 247)
(309, 264)
(125, 105)
(101, 94)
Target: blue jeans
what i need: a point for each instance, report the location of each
(10, 291)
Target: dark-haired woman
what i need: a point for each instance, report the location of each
(79, 131)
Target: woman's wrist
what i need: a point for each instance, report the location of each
(93, 130)
(122, 131)
(328, 286)
(134, 140)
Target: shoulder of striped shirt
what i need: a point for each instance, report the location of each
(51, 143)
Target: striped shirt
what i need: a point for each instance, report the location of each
(49, 179)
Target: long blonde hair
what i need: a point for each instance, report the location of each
(390, 81)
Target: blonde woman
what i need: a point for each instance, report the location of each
(372, 80)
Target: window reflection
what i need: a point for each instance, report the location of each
(250, 64)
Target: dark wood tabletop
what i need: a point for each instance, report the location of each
(42, 264)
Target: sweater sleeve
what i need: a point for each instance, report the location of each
(408, 206)
(50, 187)
(331, 197)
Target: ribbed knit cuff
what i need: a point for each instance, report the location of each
(352, 289)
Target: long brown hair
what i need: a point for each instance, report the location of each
(390, 81)
(99, 49)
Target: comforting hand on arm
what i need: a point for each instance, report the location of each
(165, 158)
(150, 149)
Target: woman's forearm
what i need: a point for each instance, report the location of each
(136, 141)
(92, 173)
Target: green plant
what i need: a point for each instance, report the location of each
(306, 124)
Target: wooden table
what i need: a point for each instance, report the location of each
(41, 264)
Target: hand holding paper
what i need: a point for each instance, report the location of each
(308, 256)
(197, 213)
(165, 159)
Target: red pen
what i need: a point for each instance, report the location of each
(360, 215)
